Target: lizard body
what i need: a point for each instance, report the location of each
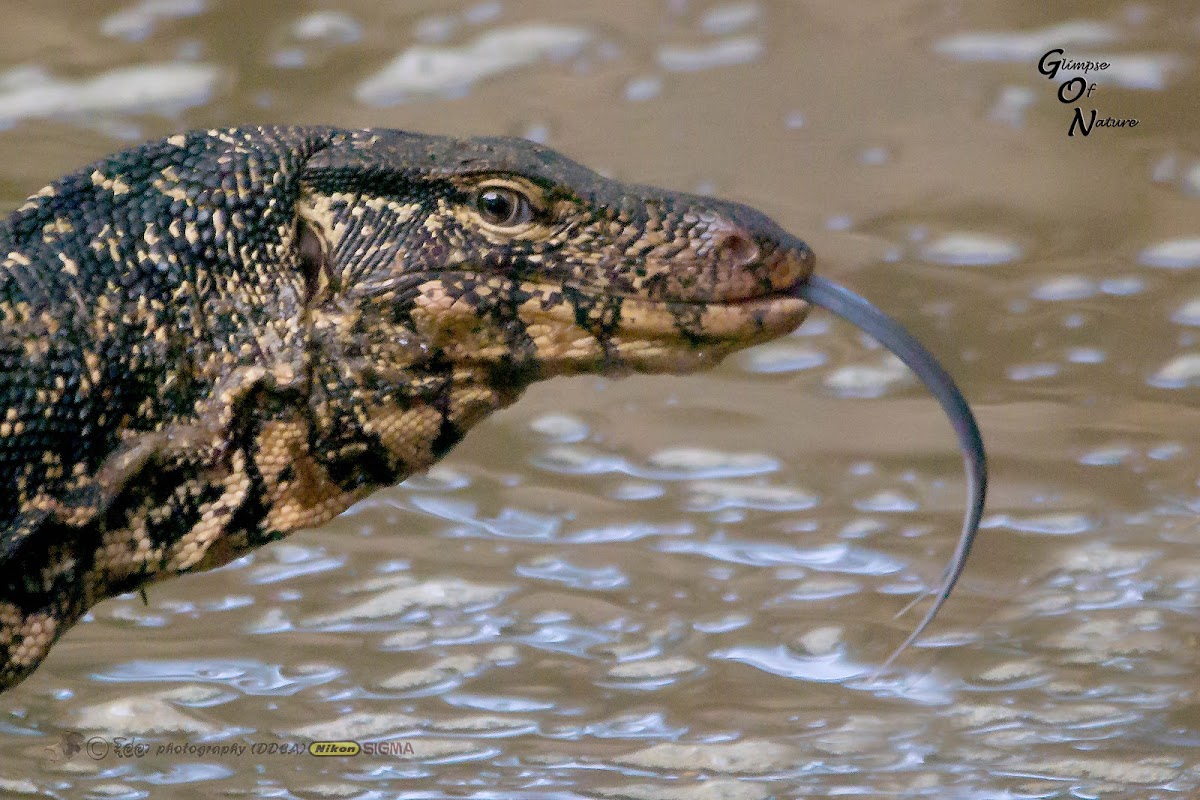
(212, 340)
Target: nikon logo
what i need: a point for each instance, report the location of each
(334, 748)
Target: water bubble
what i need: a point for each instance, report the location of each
(729, 18)
(1086, 355)
(780, 660)
(971, 250)
(1181, 253)
(1122, 286)
(1066, 287)
(1030, 372)
(331, 27)
(1188, 313)
(1178, 373)
(868, 381)
(641, 89)
(786, 356)
(1060, 524)
(560, 427)
(723, 53)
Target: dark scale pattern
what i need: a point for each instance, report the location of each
(212, 340)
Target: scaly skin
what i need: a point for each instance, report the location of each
(210, 341)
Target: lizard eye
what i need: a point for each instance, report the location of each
(502, 206)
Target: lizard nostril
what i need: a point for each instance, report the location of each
(736, 248)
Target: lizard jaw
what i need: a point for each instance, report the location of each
(617, 334)
(579, 326)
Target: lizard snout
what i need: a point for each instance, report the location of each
(749, 263)
(755, 256)
(788, 264)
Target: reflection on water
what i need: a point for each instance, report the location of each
(683, 587)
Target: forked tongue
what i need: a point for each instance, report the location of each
(889, 333)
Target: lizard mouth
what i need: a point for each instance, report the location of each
(724, 325)
(746, 305)
(686, 316)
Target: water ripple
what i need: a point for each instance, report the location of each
(563, 428)
(651, 725)
(1180, 372)
(1188, 313)
(188, 773)
(562, 638)
(780, 660)
(1024, 46)
(248, 677)
(971, 250)
(629, 532)
(292, 561)
(1065, 287)
(135, 23)
(723, 53)
(785, 356)
(829, 558)
(677, 463)
(1172, 254)
(510, 523)
(164, 88)
(729, 18)
(1060, 524)
(717, 495)
(424, 70)
(887, 501)
(869, 381)
(559, 570)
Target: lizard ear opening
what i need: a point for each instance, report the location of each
(314, 263)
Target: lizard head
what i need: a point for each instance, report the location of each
(512, 263)
(504, 255)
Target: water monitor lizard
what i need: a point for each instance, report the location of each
(212, 340)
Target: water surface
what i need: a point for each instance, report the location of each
(680, 587)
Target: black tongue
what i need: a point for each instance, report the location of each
(860, 313)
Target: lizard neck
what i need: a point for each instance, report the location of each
(384, 402)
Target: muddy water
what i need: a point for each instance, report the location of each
(680, 587)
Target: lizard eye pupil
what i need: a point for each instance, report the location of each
(502, 206)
